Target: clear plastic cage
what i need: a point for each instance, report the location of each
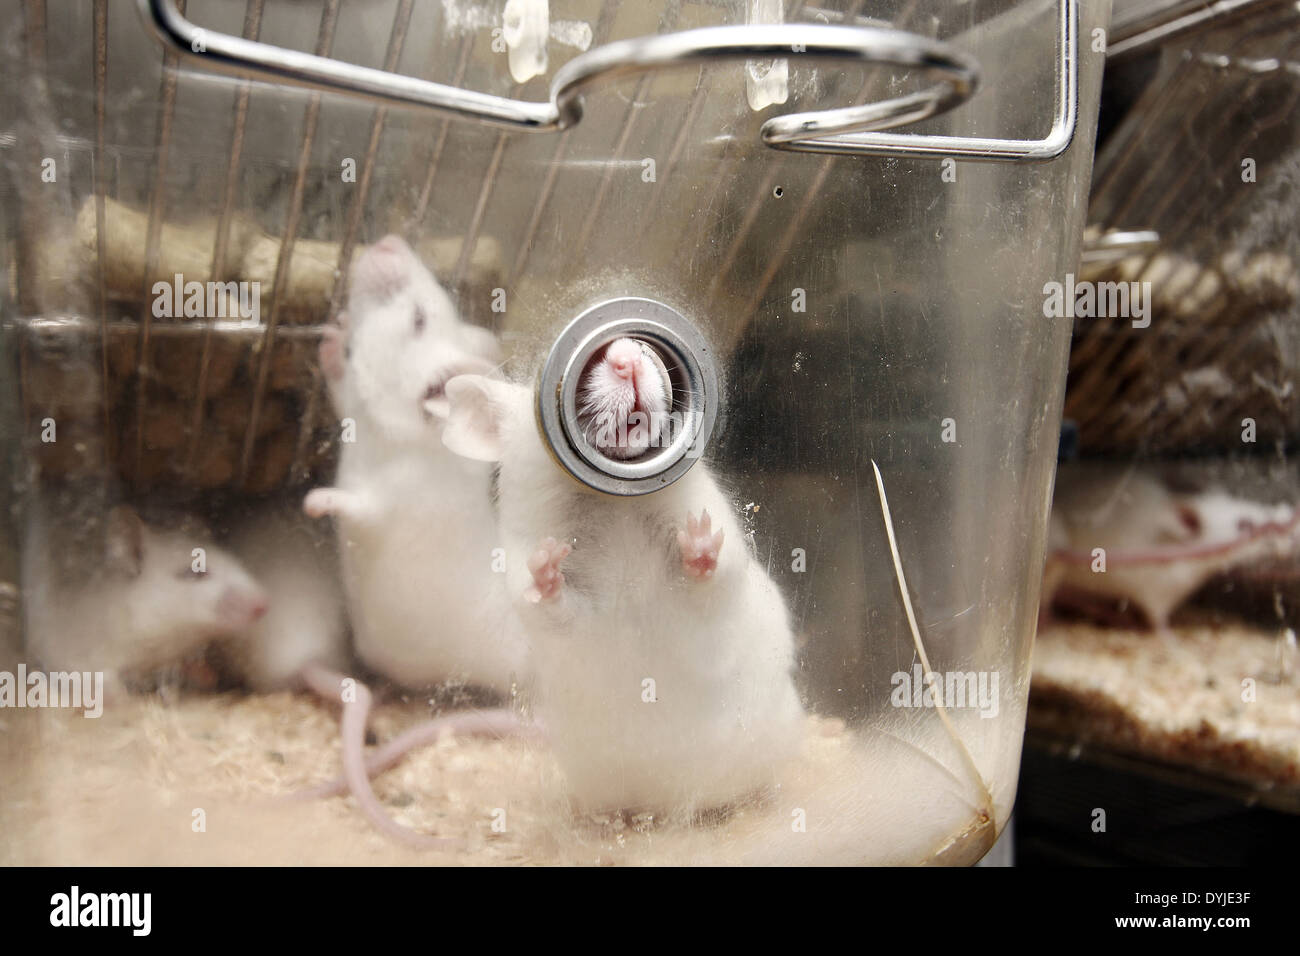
(866, 290)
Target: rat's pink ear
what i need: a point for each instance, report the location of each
(476, 417)
(124, 541)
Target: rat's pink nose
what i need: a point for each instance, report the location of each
(390, 243)
(622, 356)
(239, 608)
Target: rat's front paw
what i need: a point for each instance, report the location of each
(700, 546)
(326, 501)
(544, 564)
(332, 352)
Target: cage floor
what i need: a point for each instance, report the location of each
(1179, 698)
(123, 789)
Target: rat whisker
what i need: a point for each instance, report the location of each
(976, 777)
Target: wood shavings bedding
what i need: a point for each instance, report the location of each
(131, 788)
(1179, 699)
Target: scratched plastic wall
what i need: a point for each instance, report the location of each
(864, 310)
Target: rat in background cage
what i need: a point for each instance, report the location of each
(1123, 541)
(662, 653)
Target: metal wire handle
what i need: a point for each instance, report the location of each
(805, 132)
(1117, 243)
(843, 130)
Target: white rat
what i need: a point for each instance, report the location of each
(129, 599)
(302, 641)
(1160, 546)
(305, 624)
(661, 652)
(416, 523)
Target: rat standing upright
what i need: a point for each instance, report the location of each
(662, 652)
(416, 523)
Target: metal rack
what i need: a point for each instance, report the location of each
(1226, 91)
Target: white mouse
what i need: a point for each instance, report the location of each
(129, 599)
(305, 623)
(416, 523)
(302, 642)
(661, 651)
(1160, 546)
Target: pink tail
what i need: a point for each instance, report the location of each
(358, 768)
(1175, 553)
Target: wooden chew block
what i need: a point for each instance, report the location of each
(184, 249)
(443, 255)
(313, 270)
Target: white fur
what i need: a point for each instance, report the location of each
(142, 608)
(1135, 513)
(622, 415)
(720, 650)
(305, 619)
(416, 525)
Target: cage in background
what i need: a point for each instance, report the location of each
(1195, 201)
(1183, 170)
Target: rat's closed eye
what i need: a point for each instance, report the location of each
(419, 320)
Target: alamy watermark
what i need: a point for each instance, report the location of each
(208, 300)
(640, 431)
(69, 689)
(953, 690)
(75, 908)
(1086, 300)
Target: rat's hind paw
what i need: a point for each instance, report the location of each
(700, 546)
(544, 563)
